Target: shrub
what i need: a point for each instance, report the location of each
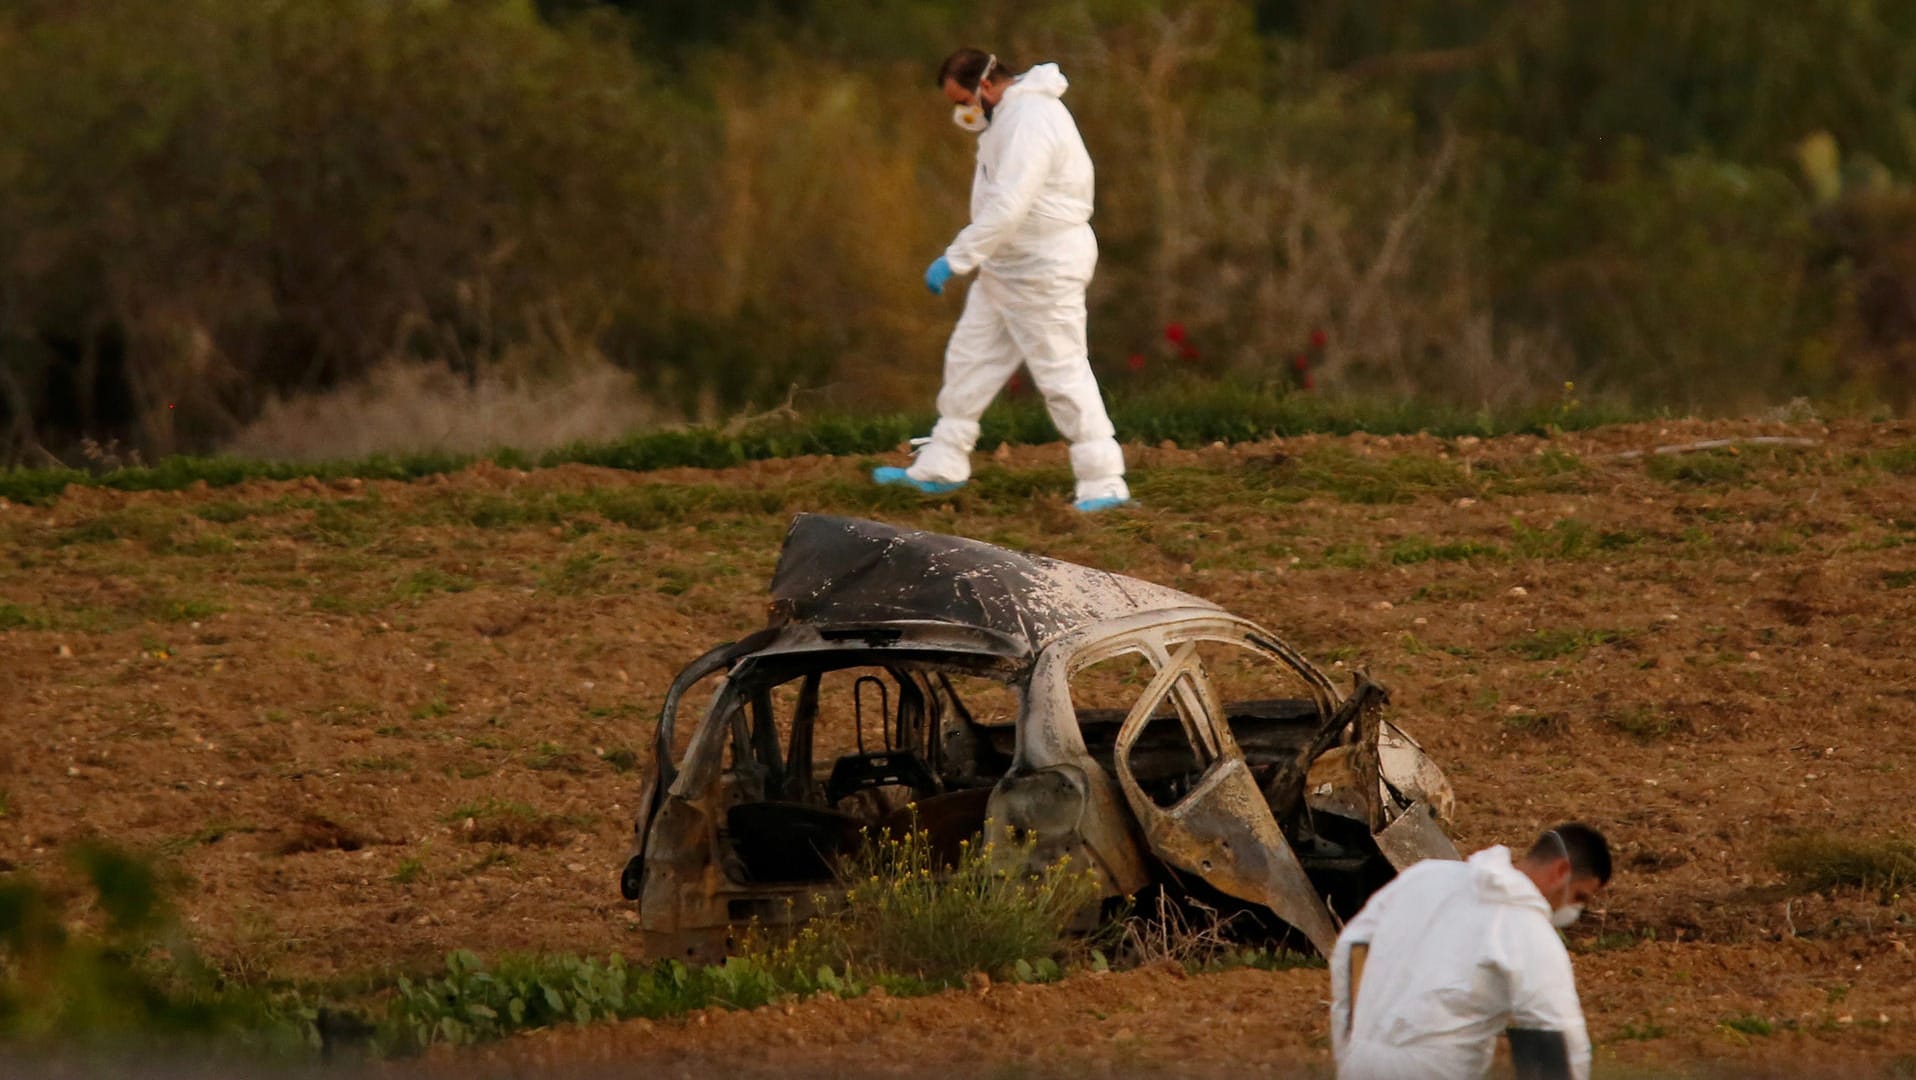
(900, 911)
(130, 973)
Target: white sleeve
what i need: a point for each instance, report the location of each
(1024, 164)
(1356, 932)
(1543, 993)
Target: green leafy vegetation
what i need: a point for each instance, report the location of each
(904, 917)
(1418, 549)
(497, 821)
(1749, 1024)
(906, 909)
(131, 972)
(1555, 644)
(15, 617)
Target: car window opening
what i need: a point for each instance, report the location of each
(814, 760)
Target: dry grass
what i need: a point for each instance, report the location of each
(410, 408)
(1818, 861)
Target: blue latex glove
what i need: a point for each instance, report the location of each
(936, 275)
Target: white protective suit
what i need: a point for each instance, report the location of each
(1030, 240)
(1458, 953)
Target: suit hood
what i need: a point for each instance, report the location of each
(1498, 881)
(1045, 80)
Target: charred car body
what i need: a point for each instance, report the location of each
(910, 676)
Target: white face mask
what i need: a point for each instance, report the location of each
(971, 118)
(974, 117)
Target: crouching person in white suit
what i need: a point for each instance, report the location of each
(1450, 955)
(1031, 244)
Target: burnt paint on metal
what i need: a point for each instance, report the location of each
(836, 570)
(847, 592)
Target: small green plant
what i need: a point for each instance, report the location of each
(428, 581)
(1556, 644)
(1749, 1024)
(410, 869)
(1643, 1032)
(1817, 861)
(1418, 549)
(515, 824)
(182, 609)
(901, 910)
(585, 572)
(1566, 539)
(1704, 468)
(623, 759)
(551, 757)
(1646, 724)
(1899, 579)
(15, 617)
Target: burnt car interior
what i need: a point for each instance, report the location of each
(918, 755)
(906, 680)
(921, 755)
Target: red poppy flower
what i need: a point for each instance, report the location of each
(1187, 352)
(1135, 361)
(1319, 339)
(1174, 333)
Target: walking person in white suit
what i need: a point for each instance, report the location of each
(1031, 245)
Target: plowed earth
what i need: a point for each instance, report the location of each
(368, 723)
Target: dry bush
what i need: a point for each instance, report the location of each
(1187, 933)
(315, 832)
(404, 407)
(1819, 861)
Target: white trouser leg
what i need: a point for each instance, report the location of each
(979, 359)
(1046, 320)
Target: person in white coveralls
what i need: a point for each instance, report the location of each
(1450, 955)
(1031, 245)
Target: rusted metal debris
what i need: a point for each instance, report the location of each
(1297, 806)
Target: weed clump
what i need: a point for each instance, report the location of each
(510, 823)
(901, 911)
(1818, 861)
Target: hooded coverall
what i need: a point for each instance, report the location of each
(1458, 952)
(1030, 240)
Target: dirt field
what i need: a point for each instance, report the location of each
(369, 723)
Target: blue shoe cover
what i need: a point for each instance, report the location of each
(893, 476)
(1108, 502)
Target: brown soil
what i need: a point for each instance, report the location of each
(369, 723)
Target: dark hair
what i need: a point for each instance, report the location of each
(966, 67)
(1586, 848)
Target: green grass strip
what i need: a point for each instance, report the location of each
(1198, 415)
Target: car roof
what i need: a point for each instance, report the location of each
(845, 572)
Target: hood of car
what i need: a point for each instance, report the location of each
(837, 571)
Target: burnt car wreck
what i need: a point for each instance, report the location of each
(913, 677)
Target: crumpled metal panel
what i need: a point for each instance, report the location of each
(1224, 833)
(849, 571)
(1414, 837)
